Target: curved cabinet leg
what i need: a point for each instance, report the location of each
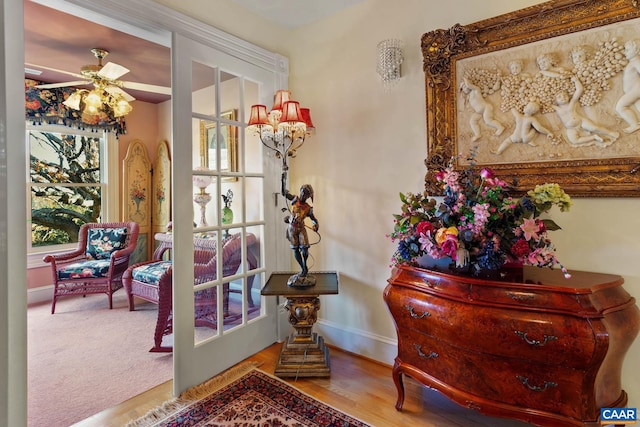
(397, 379)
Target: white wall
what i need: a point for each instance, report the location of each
(370, 145)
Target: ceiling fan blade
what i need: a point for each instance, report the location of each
(55, 70)
(112, 71)
(115, 90)
(64, 84)
(147, 88)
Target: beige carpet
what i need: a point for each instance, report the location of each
(86, 358)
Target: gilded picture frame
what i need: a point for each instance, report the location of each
(228, 149)
(473, 105)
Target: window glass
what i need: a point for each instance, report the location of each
(65, 183)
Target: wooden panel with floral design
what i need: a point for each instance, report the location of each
(161, 188)
(136, 193)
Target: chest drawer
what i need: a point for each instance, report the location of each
(526, 298)
(445, 319)
(513, 382)
(553, 339)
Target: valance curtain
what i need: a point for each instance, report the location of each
(45, 106)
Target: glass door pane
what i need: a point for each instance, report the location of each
(219, 202)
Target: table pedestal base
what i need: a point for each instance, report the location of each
(303, 353)
(303, 358)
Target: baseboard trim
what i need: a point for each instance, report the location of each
(40, 295)
(358, 342)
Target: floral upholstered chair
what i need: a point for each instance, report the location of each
(98, 262)
(152, 281)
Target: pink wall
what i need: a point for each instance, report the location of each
(142, 124)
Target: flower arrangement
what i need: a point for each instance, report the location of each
(137, 192)
(160, 196)
(478, 225)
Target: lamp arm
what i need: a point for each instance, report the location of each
(292, 150)
(270, 147)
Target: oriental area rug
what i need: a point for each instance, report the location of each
(245, 396)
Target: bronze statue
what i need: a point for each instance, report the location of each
(300, 210)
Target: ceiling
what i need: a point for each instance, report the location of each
(295, 13)
(57, 40)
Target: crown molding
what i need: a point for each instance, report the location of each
(155, 22)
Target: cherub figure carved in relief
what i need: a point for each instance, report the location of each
(527, 128)
(628, 105)
(482, 109)
(580, 130)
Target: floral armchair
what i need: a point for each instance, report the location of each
(98, 262)
(152, 281)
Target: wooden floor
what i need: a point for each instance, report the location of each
(360, 387)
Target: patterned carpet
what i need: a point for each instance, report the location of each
(246, 396)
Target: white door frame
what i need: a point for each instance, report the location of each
(143, 18)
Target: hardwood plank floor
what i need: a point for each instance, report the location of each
(360, 387)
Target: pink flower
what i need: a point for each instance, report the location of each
(530, 228)
(439, 175)
(486, 173)
(450, 246)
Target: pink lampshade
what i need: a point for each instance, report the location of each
(291, 112)
(280, 98)
(259, 115)
(306, 118)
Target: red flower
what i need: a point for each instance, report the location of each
(520, 249)
(424, 227)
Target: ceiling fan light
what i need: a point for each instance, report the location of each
(122, 108)
(92, 102)
(73, 101)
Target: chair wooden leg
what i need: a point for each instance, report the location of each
(225, 299)
(249, 287)
(161, 325)
(53, 303)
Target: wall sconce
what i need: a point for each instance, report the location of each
(389, 60)
(283, 129)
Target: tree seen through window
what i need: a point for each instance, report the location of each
(65, 185)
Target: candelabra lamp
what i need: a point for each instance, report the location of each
(283, 130)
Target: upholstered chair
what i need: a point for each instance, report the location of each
(98, 262)
(152, 281)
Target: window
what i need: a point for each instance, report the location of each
(67, 184)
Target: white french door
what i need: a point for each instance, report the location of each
(221, 184)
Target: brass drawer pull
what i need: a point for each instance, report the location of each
(520, 297)
(415, 315)
(547, 384)
(431, 355)
(429, 283)
(537, 343)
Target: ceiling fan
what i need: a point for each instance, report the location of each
(105, 77)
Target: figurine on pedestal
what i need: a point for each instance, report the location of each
(300, 210)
